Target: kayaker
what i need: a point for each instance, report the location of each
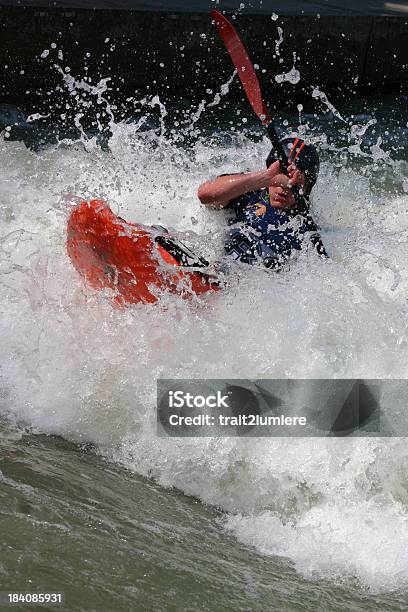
(265, 225)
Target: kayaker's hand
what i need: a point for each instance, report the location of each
(276, 178)
(280, 192)
(272, 172)
(296, 176)
(281, 180)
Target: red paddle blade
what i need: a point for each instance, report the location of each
(243, 64)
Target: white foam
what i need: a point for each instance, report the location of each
(73, 365)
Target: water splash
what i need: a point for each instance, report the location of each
(279, 41)
(293, 76)
(74, 366)
(316, 93)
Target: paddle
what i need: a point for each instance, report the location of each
(250, 83)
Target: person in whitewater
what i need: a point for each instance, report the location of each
(266, 225)
(135, 261)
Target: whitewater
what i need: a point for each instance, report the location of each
(73, 365)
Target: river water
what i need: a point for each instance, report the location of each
(93, 503)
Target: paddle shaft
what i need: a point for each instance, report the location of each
(301, 202)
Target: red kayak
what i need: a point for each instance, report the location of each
(134, 261)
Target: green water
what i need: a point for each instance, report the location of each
(110, 540)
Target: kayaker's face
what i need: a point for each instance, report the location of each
(282, 197)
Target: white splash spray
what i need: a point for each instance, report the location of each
(75, 366)
(279, 41)
(293, 76)
(316, 93)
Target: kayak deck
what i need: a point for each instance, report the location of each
(134, 261)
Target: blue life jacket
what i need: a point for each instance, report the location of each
(261, 233)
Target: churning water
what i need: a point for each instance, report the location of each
(290, 523)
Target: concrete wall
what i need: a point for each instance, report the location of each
(247, 7)
(341, 55)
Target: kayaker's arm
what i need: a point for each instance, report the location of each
(223, 189)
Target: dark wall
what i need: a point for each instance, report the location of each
(341, 55)
(248, 7)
